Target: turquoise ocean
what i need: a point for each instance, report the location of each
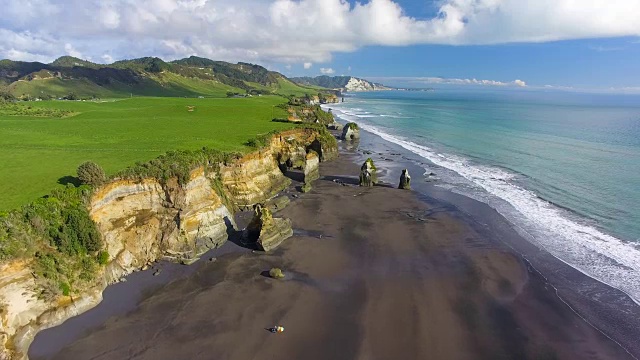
(563, 168)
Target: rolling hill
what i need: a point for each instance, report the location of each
(149, 76)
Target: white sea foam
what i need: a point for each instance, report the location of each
(580, 245)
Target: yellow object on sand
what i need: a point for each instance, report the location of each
(280, 329)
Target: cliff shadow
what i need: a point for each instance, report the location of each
(338, 179)
(66, 180)
(239, 237)
(294, 174)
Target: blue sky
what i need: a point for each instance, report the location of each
(591, 63)
(568, 44)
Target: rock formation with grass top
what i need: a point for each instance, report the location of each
(268, 232)
(350, 132)
(368, 175)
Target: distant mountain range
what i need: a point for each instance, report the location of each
(149, 76)
(343, 83)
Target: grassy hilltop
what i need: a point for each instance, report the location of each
(40, 151)
(149, 76)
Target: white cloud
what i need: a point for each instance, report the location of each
(606, 48)
(307, 65)
(108, 59)
(71, 51)
(447, 81)
(519, 83)
(327, 71)
(286, 30)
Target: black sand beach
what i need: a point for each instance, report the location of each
(372, 273)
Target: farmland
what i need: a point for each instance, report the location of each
(42, 151)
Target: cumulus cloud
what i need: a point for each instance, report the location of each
(327, 71)
(288, 30)
(520, 83)
(307, 65)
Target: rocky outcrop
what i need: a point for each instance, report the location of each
(145, 220)
(405, 180)
(268, 232)
(258, 176)
(368, 176)
(350, 132)
(311, 167)
(356, 85)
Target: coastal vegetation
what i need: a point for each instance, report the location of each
(90, 173)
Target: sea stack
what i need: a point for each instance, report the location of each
(368, 176)
(351, 132)
(311, 167)
(269, 231)
(405, 180)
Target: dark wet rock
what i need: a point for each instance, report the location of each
(405, 180)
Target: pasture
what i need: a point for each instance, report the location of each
(40, 153)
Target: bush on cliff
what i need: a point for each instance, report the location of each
(59, 234)
(91, 173)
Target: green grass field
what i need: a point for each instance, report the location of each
(38, 152)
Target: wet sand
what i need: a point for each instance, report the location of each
(372, 273)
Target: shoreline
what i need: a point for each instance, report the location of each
(605, 307)
(573, 237)
(452, 204)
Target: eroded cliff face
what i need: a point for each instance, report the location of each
(144, 221)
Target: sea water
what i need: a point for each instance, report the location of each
(563, 167)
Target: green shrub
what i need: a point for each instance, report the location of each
(65, 288)
(91, 173)
(103, 257)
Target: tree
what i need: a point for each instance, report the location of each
(90, 173)
(6, 96)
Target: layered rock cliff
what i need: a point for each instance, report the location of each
(145, 220)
